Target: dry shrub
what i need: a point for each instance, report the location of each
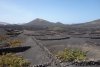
(3, 37)
(14, 43)
(12, 60)
(71, 55)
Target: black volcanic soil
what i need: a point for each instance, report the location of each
(36, 54)
(79, 43)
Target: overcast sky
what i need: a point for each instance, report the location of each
(65, 11)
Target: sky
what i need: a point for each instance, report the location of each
(65, 11)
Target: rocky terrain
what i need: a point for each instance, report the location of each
(57, 45)
(45, 39)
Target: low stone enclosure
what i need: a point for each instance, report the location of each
(89, 63)
(85, 63)
(13, 49)
(53, 38)
(12, 32)
(95, 37)
(43, 65)
(34, 34)
(75, 34)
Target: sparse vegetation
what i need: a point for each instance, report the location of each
(14, 43)
(2, 38)
(71, 55)
(12, 60)
(13, 33)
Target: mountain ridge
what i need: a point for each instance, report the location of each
(41, 23)
(3, 23)
(94, 23)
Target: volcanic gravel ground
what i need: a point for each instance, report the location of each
(61, 44)
(80, 43)
(38, 56)
(35, 54)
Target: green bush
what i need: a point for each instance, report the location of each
(71, 55)
(12, 60)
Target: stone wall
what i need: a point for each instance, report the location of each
(53, 60)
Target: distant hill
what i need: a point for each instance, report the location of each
(44, 24)
(95, 23)
(3, 23)
(41, 23)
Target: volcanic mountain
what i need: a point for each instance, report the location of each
(42, 23)
(39, 22)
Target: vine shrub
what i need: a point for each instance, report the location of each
(14, 43)
(12, 60)
(71, 55)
